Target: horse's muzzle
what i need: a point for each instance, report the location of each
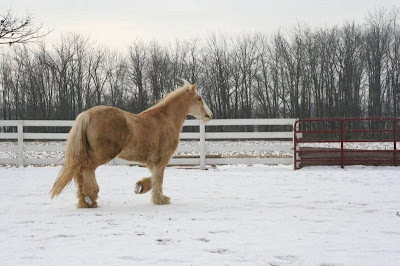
(206, 118)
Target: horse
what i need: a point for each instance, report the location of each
(151, 137)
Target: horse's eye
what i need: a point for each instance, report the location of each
(199, 98)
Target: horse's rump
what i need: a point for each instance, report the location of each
(97, 136)
(106, 133)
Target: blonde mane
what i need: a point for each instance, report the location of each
(171, 96)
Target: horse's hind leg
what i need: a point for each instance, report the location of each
(142, 186)
(88, 189)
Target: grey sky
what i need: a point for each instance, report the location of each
(117, 23)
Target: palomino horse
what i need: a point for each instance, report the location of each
(151, 137)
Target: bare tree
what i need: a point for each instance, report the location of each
(377, 41)
(19, 30)
(159, 71)
(217, 69)
(117, 80)
(343, 71)
(137, 62)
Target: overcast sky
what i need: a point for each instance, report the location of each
(116, 23)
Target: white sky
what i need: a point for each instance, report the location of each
(117, 23)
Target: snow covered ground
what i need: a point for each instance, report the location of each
(230, 154)
(230, 215)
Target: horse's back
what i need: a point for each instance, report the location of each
(106, 132)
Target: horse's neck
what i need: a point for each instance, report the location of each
(176, 110)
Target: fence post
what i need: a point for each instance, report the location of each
(341, 143)
(395, 142)
(20, 131)
(296, 147)
(202, 145)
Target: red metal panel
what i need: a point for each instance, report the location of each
(342, 132)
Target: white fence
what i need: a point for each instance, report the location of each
(202, 147)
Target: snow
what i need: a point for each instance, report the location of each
(229, 215)
(222, 154)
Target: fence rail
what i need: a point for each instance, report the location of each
(202, 137)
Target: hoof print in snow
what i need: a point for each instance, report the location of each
(129, 258)
(218, 251)
(25, 222)
(203, 239)
(220, 231)
(62, 236)
(287, 258)
(398, 214)
(163, 241)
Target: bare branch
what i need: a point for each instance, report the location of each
(19, 30)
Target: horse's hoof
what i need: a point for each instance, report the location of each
(88, 200)
(138, 188)
(82, 204)
(162, 200)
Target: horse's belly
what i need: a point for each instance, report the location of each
(134, 154)
(131, 156)
(149, 156)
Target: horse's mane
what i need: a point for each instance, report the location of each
(171, 96)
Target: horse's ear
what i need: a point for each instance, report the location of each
(194, 86)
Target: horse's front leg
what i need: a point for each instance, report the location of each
(156, 183)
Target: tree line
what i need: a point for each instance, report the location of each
(352, 70)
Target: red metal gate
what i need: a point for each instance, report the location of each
(341, 133)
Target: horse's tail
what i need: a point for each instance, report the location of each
(76, 153)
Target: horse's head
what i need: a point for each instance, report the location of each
(197, 107)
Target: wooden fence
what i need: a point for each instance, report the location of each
(201, 136)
